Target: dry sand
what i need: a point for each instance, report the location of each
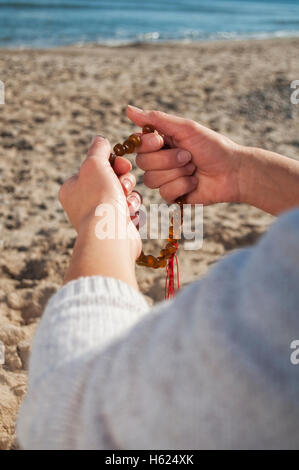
(56, 100)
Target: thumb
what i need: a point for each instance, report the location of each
(168, 124)
(99, 150)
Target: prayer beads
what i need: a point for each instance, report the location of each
(167, 253)
(148, 129)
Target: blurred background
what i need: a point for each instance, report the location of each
(42, 23)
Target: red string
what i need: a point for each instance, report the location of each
(177, 271)
(169, 282)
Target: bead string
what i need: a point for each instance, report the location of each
(167, 254)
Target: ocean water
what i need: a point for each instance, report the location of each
(42, 23)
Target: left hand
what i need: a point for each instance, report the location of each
(96, 183)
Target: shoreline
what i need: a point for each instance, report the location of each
(150, 45)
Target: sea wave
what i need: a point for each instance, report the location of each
(156, 39)
(50, 23)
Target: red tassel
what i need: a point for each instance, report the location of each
(169, 283)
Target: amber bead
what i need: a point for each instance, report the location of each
(128, 146)
(172, 243)
(151, 261)
(141, 263)
(181, 201)
(112, 159)
(162, 262)
(141, 257)
(136, 139)
(141, 260)
(170, 248)
(148, 129)
(119, 150)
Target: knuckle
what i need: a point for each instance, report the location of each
(191, 126)
(154, 115)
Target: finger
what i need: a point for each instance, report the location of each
(122, 165)
(99, 150)
(150, 142)
(164, 123)
(181, 186)
(140, 195)
(135, 220)
(128, 182)
(134, 202)
(156, 178)
(163, 160)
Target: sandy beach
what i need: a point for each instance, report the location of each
(56, 100)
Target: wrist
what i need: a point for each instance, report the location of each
(267, 180)
(247, 175)
(107, 257)
(111, 247)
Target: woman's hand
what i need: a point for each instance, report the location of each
(95, 184)
(200, 162)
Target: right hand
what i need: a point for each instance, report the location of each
(212, 176)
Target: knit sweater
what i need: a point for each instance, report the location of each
(210, 369)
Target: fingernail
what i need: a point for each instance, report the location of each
(183, 156)
(96, 137)
(154, 139)
(127, 184)
(137, 110)
(190, 167)
(134, 201)
(135, 221)
(138, 195)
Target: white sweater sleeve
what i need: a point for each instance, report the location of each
(210, 369)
